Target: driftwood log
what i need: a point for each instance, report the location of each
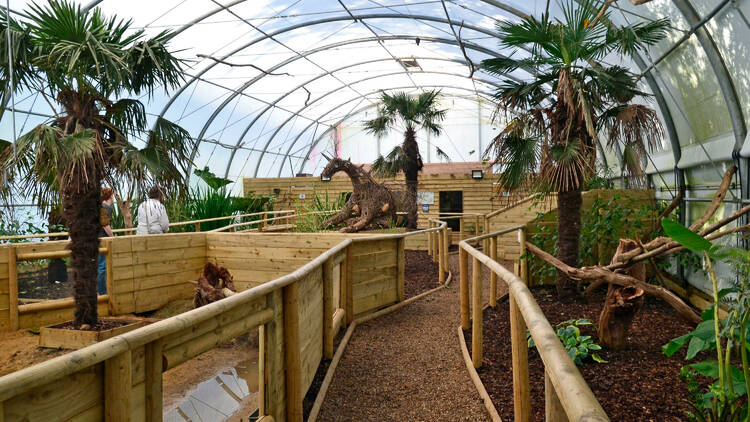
(370, 205)
(622, 303)
(620, 273)
(215, 283)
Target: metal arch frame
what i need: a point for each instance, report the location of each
(316, 50)
(403, 72)
(303, 25)
(273, 103)
(312, 145)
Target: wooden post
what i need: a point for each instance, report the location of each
(292, 362)
(446, 245)
(275, 397)
(476, 312)
(13, 288)
(429, 239)
(154, 411)
(198, 226)
(520, 361)
(400, 264)
(461, 228)
(553, 409)
(463, 286)
(328, 309)
(262, 370)
(349, 304)
(441, 262)
(232, 229)
(476, 226)
(118, 386)
(493, 276)
(522, 258)
(110, 278)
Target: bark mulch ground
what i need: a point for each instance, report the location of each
(638, 384)
(419, 273)
(407, 366)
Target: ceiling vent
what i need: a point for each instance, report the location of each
(410, 64)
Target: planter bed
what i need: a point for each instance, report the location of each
(638, 384)
(64, 336)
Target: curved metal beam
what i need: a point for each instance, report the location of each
(307, 156)
(304, 25)
(273, 103)
(726, 84)
(403, 72)
(316, 50)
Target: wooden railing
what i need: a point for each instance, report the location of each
(567, 396)
(120, 379)
(126, 231)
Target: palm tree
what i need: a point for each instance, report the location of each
(555, 119)
(408, 113)
(84, 60)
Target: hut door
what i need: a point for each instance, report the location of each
(451, 202)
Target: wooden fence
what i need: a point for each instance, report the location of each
(567, 396)
(297, 315)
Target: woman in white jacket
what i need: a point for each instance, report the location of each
(152, 216)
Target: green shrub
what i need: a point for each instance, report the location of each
(578, 347)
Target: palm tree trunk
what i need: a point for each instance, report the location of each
(568, 237)
(411, 173)
(81, 204)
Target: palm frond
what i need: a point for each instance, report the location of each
(636, 126)
(442, 155)
(127, 116)
(517, 151)
(391, 164)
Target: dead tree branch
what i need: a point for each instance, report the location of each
(602, 273)
(203, 56)
(472, 67)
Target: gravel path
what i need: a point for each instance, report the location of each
(407, 365)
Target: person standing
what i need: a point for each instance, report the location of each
(105, 220)
(152, 215)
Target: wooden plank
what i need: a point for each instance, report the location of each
(493, 276)
(328, 309)
(348, 290)
(476, 311)
(59, 399)
(553, 409)
(292, 354)
(401, 244)
(165, 255)
(264, 252)
(375, 301)
(520, 359)
(118, 386)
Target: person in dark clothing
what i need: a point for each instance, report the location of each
(105, 219)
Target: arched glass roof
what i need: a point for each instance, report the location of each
(270, 84)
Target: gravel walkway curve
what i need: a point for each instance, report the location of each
(407, 366)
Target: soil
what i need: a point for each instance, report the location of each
(102, 324)
(420, 273)
(33, 284)
(20, 349)
(312, 393)
(638, 383)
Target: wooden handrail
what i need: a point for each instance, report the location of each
(507, 207)
(566, 382)
(175, 224)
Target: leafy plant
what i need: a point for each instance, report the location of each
(579, 347)
(312, 214)
(723, 400)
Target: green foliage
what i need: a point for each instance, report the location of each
(312, 214)
(602, 226)
(553, 121)
(12, 224)
(578, 347)
(724, 400)
(213, 181)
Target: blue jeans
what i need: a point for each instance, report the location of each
(101, 276)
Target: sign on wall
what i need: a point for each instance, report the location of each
(425, 208)
(425, 197)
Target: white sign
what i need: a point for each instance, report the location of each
(302, 196)
(425, 197)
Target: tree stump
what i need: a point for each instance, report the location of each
(214, 284)
(622, 303)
